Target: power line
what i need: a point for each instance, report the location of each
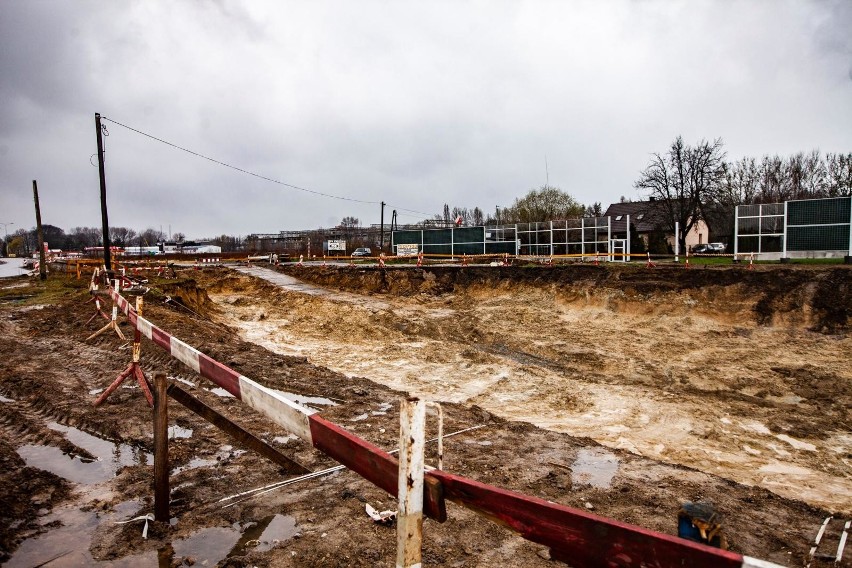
(259, 176)
(242, 170)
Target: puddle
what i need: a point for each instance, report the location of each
(194, 463)
(184, 381)
(68, 543)
(264, 535)
(594, 467)
(212, 545)
(207, 546)
(111, 457)
(305, 399)
(220, 392)
(224, 453)
(179, 432)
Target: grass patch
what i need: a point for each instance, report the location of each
(32, 290)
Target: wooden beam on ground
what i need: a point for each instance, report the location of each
(243, 436)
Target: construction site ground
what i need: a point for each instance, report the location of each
(623, 391)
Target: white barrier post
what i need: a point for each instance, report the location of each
(409, 528)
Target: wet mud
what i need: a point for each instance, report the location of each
(564, 416)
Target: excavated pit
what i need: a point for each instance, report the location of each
(742, 373)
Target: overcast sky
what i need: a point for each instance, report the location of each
(414, 104)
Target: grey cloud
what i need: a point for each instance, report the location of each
(412, 104)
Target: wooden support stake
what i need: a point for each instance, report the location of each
(161, 449)
(113, 325)
(412, 439)
(236, 431)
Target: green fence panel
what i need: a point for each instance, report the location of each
(826, 237)
(406, 237)
(469, 235)
(819, 212)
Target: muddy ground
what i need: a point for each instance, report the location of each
(623, 391)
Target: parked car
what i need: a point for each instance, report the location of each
(362, 251)
(717, 248)
(703, 248)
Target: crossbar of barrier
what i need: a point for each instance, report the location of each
(573, 535)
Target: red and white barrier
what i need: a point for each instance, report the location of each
(650, 263)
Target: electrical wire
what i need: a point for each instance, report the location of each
(259, 176)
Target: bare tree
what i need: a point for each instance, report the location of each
(350, 223)
(682, 180)
(838, 175)
(121, 236)
(149, 237)
(595, 209)
(83, 237)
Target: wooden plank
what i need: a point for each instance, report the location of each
(282, 411)
(243, 436)
(577, 537)
(185, 353)
(409, 524)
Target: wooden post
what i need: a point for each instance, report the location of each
(409, 528)
(102, 176)
(42, 261)
(161, 449)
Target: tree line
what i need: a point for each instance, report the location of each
(25, 241)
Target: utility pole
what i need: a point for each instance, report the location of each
(382, 231)
(6, 239)
(104, 218)
(42, 266)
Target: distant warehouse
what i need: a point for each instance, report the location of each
(202, 249)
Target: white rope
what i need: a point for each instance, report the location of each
(146, 518)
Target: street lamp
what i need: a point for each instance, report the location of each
(6, 239)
